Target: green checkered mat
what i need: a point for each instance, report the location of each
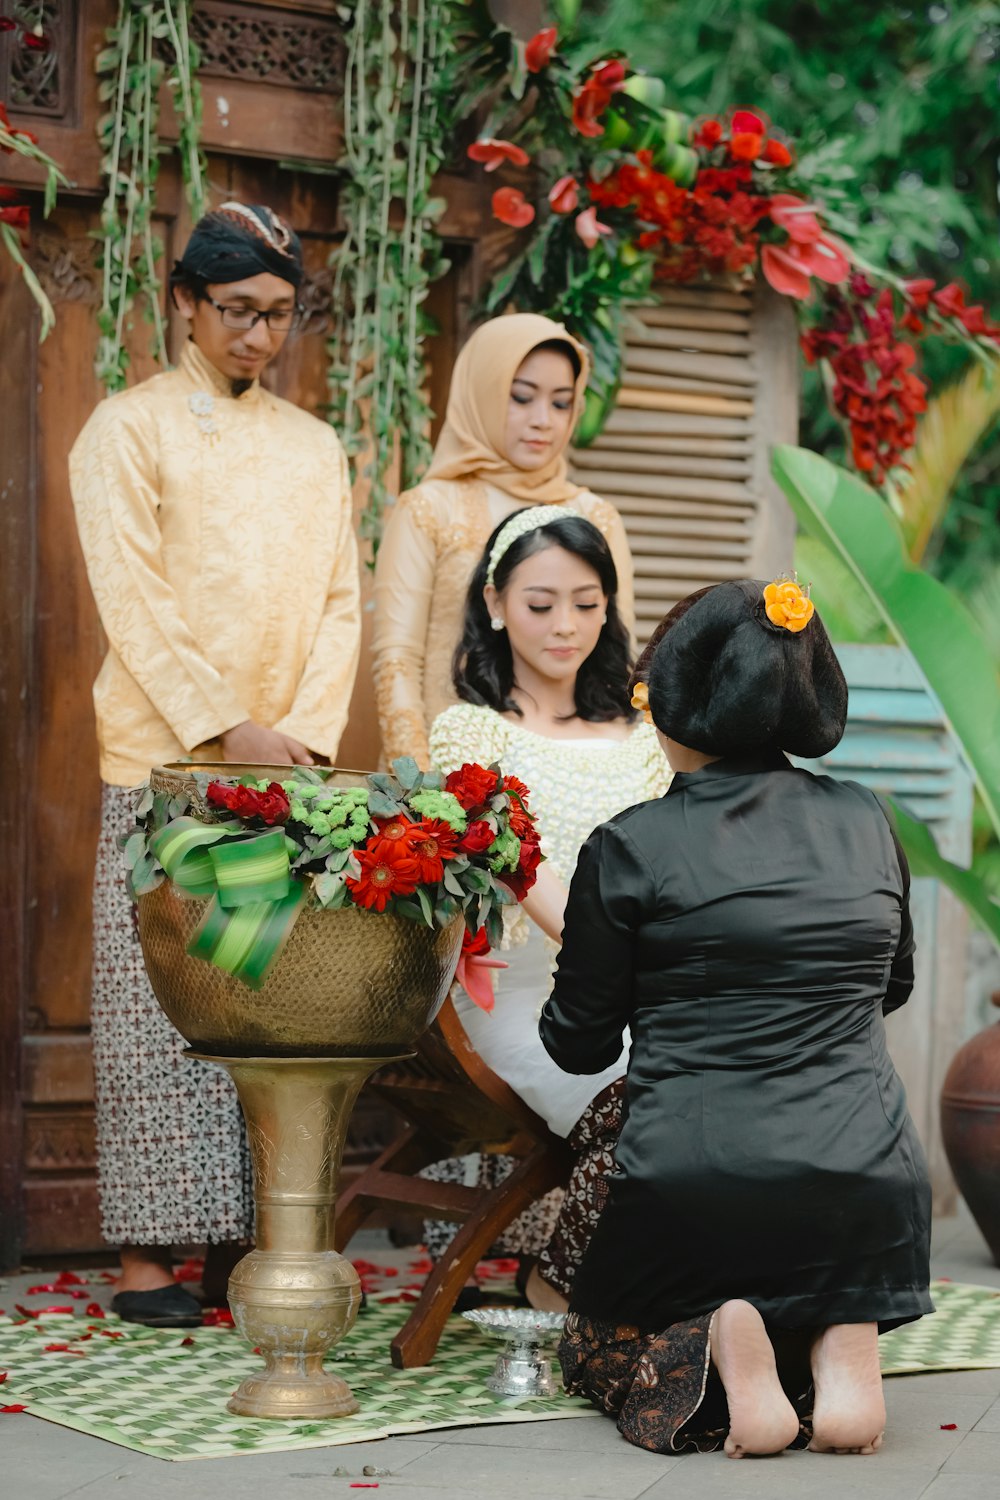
(165, 1394)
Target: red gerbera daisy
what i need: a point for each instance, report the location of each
(434, 842)
(387, 869)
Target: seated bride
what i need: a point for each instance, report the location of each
(542, 670)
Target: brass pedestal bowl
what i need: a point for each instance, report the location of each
(350, 990)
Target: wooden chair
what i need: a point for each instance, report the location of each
(453, 1104)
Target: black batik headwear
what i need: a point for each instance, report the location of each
(236, 241)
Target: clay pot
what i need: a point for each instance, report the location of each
(970, 1125)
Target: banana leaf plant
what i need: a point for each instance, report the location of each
(854, 524)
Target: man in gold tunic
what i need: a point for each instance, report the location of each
(217, 528)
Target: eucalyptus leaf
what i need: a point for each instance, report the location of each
(381, 806)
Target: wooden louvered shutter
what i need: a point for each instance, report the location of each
(710, 382)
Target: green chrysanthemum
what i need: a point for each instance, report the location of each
(432, 804)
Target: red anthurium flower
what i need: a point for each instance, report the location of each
(493, 153)
(777, 153)
(950, 300)
(94, 1310)
(919, 291)
(18, 217)
(8, 1411)
(593, 98)
(511, 207)
(564, 195)
(609, 75)
(540, 49)
(590, 228)
(796, 217)
(36, 41)
(3, 1373)
(6, 24)
(784, 272)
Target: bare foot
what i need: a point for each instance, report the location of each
(761, 1417)
(849, 1414)
(542, 1296)
(145, 1268)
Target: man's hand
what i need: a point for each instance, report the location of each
(254, 745)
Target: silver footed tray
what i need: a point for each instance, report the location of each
(522, 1369)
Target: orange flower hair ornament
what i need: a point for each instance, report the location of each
(787, 606)
(640, 700)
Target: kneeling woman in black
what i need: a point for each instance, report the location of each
(770, 1210)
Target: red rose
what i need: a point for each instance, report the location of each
(709, 133)
(745, 121)
(523, 878)
(270, 807)
(273, 805)
(540, 49)
(477, 838)
(473, 785)
(220, 795)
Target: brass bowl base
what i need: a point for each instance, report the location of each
(284, 1391)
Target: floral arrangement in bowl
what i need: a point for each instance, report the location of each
(409, 843)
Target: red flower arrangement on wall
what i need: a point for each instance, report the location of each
(631, 193)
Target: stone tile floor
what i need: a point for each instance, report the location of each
(584, 1459)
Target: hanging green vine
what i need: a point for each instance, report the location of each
(132, 68)
(393, 129)
(15, 215)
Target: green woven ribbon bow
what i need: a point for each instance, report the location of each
(254, 899)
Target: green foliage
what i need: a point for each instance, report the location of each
(131, 73)
(393, 112)
(848, 518)
(19, 143)
(894, 108)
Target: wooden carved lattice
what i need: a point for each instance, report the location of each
(261, 45)
(32, 81)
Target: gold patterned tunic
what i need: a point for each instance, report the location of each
(219, 541)
(433, 540)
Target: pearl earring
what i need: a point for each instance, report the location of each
(604, 618)
(496, 623)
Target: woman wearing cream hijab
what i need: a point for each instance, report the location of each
(516, 392)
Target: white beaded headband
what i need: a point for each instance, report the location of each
(519, 525)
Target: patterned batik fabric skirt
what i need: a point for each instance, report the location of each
(661, 1386)
(557, 1228)
(172, 1159)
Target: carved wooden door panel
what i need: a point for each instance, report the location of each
(271, 82)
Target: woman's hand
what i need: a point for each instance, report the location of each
(545, 903)
(253, 744)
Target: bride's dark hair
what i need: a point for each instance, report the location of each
(483, 668)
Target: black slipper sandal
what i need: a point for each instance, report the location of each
(166, 1307)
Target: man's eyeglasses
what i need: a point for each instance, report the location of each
(278, 319)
